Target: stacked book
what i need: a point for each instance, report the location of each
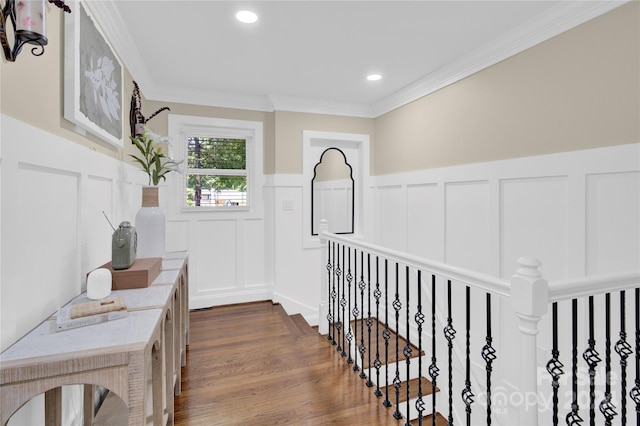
(89, 313)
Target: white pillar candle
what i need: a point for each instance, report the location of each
(99, 284)
(30, 16)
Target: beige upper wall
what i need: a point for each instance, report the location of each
(577, 91)
(288, 134)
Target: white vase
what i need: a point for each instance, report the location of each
(150, 225)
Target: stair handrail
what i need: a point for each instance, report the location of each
(486, 282)
(578, 287)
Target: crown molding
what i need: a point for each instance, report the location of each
(318, 106)
(554, 21)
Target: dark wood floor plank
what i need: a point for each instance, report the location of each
(245, 366)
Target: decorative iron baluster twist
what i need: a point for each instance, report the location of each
(450, 334)
(489, 355)
(369, 383)
(606, 406)
(467, 394)
(433, 367)
(407, 351)
(334, 295)
(397, 305)
(386, 335)
(635, 392)
(339, 323)
(377, 294)
(343, 304)
(592, 357)
(355, 312)
(554, 366)
(624, 350)
(573, 418)
(419, 318)
(362, 286)
(348, 323)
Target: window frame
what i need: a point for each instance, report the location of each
(181, 127)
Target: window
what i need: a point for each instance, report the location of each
(222, 162)
(216, 172)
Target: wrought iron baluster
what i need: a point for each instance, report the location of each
(573, 418)
(606, 406)
(386, 335)
(592, 357)
(369, 383)
(332, 293)
(635, 392)
(407, 351)
(554, 366)
(624, 350)
(362, 285)
(489, 355)
(343, 304)
(397, 305)
(419, 318)
(377, 364)
(355, 312)
(348, 323)
(339, 323)
(433, 367)
(467, 394)
(450, 334)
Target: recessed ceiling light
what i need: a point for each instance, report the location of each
(246, 16)
(374, 77)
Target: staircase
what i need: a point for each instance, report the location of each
(380, 380)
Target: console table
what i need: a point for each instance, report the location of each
(121, 355)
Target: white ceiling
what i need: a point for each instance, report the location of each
(313, 56)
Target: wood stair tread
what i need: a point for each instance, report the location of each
(392, 342)
(413, 389)
(297, 325)
(428, 420)
(303, 326)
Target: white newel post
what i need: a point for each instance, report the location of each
(530, 296)
(323, 309)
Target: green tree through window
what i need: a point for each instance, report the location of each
(216, 171)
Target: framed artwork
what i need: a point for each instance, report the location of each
(93, 78)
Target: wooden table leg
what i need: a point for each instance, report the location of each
(169, 364)
(88, 400)
(156, 379)
(53, 407)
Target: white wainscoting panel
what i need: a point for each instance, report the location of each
(467, 225)
(426, 238)
(215, 251)
(613, 222)
(254, 247)
(99, 193)
(534, 219)
(391, 227)
(44, 259)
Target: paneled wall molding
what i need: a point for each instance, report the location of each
(483, 216)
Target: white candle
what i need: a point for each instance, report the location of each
(30, 16)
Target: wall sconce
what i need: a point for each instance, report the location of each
(27, 18)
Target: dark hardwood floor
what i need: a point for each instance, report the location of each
(251, 364)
